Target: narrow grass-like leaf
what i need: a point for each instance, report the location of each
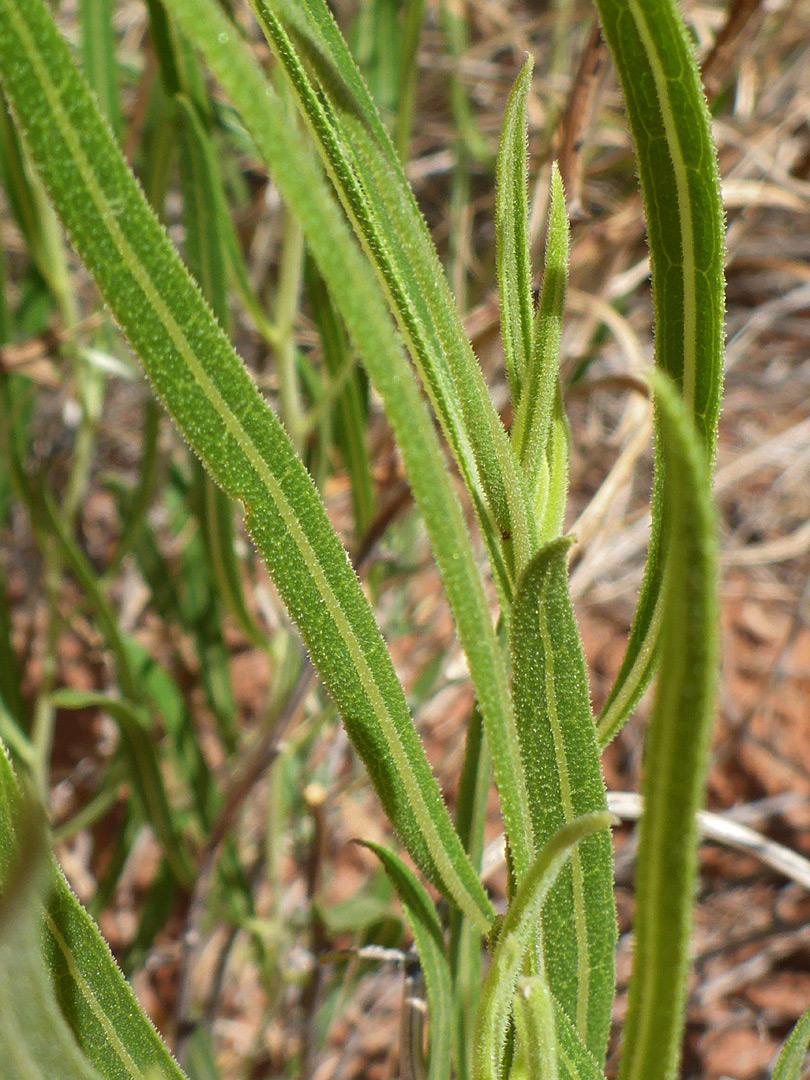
(219, 409)
(351, 414)
(203, 248)
(676, 754)
(512, 235)
(465, 938)
(531, 431)
(677, 160)
(558, 742)
(35, 1041)
(93, 995)
(12, 702)
(208, 242)
(414, 14)
(429, 941)
(363, 312)
(515, 940)
(372, 186)
(536, 1029)
(791, 1058)
(554, 473)
(30, 208)
(98, 57)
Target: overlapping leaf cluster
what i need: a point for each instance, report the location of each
(544, 1009)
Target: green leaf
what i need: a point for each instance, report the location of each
(93, 996)
(204, 247)
(465, 938)
(368, 176)
(349, 406)
(219, 409)
(536, 1029)
(676, 754)
(35, 1041)
(512, 235)
(98, 57)
(677, 160)
(576, 1062)
(558, 742)
(515, 940)
(533, 427)
(791, 1059)
(429, 941)
(368, 324)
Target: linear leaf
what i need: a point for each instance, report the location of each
(558, 742)
(35, 1041)
(95, 999)
(533, 427)
(791, 1059)
(465, 938)
(536, 1029)
(217, 406)
(363, 312)
(515, 941)
(429, 941)
(575, 1060)
(368, 176)
(209, 241)
(680, 184)
(512, 235)
(349, 405)
(676, 754)
(98, 57)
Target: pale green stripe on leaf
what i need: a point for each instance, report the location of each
(558, 742)
(576, 1062)
(791, 1059)
(676, 754)
(219, 409)
(363, 312)
(515, 940)
(680, 184)
(512, 235)
(105, 1018)
(372, 186)
(531, 431)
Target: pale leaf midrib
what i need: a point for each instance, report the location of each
(91, 1000)
(580, 921)
(685, 220)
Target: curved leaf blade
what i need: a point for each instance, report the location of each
(94, 997)
(365, 316)
(515, 940)
(219, 409)
(536, 1029)
(533, 430)
(372, 186)
(676, 754)
(791, 1059)
(680, 184)
(558, 742)
(512, 234)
